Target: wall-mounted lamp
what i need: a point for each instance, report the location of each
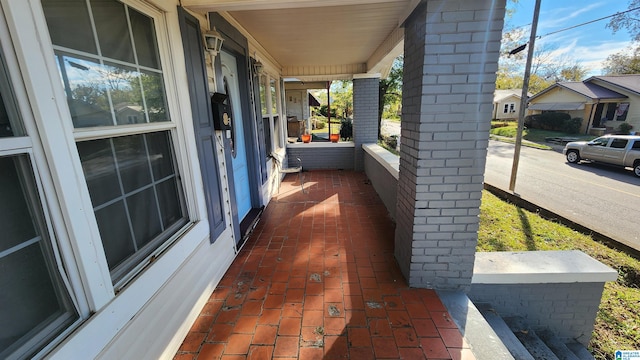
(258, 67)
(213, 41)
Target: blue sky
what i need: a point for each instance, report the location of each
(589, 45)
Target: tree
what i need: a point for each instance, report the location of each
(573, 73)
(390, 89)
(547, 66)
(623, 62)
(342, 98)
(628, 20)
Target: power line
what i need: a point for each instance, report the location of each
(589, 22)
(522, 47)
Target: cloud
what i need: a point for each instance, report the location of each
(560, 17)
(589, 54)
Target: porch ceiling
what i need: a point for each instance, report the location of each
(321, 40)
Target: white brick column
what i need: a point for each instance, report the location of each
(450, 59)
(365, 115)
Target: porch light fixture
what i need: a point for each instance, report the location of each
(213, 42)
(258, 67)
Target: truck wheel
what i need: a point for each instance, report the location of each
(573, 156)
(636, 168)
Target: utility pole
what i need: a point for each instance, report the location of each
(524, 98)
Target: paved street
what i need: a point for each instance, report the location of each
(603, 198)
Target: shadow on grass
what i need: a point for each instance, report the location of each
(526, 229)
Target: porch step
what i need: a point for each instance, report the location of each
(558, 347)
(581, 352)
(508, 338)
(528, 337)
(525, 343)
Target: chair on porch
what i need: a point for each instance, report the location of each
(291, 170)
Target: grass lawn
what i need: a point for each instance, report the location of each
(335, 129)
(534, 135)
(505, 227)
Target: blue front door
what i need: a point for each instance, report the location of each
(238, 144)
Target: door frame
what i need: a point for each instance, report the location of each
(237, 45)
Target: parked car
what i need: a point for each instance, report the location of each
(620, 150)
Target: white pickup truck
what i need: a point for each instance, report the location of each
(620, 150)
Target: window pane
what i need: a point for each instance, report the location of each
(145, 219)
(133, 163)
(138, 212)
(144, 36)
(101, 92)
(36, 306)
(70, 17)
(263, 94)
(99, 170)
(15, 222)
(112, 28)
(160, 155)
(154, 95)
(266, 124)
(5, 125)
(618, 143)
(86, 91)
(10, 120)
(168, 198)
(123, 84)
(116, 233)
(277, 131)
(274, 97)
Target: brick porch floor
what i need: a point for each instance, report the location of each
(317, 279)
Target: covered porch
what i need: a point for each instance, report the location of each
(317, 279)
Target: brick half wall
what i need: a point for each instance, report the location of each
(321, 156)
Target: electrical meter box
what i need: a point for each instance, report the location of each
(221, 111)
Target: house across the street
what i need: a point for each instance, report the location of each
(603, 102)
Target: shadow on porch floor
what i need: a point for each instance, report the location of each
(317, 279)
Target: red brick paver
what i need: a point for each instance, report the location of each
(317, 279)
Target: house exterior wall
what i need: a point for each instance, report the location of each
(447, 103)
(149, 316)
(499, 113)
(561, 95)
(633, 117)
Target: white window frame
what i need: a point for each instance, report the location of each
(276, 141)
(70, 193)
(30, 146)
(94, 133)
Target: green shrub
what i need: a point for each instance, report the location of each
(624, 128)
(507, 131)
(346, 129)
(554, 121)
(572, 126)
(391, 141)
(495, 125)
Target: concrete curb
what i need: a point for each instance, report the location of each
(550, 215)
